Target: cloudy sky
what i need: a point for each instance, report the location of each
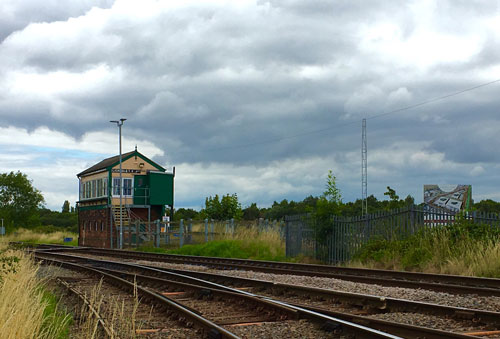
(258, 98)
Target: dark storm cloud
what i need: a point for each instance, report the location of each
(213, 83)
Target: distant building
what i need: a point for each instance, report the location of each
(147, 191)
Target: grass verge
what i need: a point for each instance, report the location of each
(245, 243)
(463, 248)
(28, 309)
(42, 238)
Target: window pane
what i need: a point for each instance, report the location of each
(99, 187)
(105, 186)
(127, 186)
(116, 186)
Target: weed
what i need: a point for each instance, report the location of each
(463, 248)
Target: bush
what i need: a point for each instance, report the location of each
(461, 248)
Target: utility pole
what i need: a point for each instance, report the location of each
(364, 170)
(119, 124)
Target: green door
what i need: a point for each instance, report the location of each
(141, 190)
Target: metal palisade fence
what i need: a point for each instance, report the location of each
(341, 237)
(188, 232)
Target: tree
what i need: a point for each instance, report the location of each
(226, 208)
(185, 213)
(230, 206)
(65, 207)
(326, 206)
(252, 212)
(392, 194)
(332, 193)
(488, 206)
(19, 200)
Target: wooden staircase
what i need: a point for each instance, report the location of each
(129, 225)
(125, 217)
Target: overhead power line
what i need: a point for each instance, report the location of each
(370, 117)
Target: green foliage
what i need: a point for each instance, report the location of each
(19, 200)
(332, 193)
(186, 213)
(252, 212)
(54, 317)
(226, 208)
(392, 194)
(284, 208)
(431, 246)
(58, 219)
(487, 206)
(322, 215)
(65, 207)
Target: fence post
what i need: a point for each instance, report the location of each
(157, 235)
(137, 239)
(287, 250)
(412, 219)
(167, 231)
(190, 231)
(232, 226)
(181, 233)
(206, 230)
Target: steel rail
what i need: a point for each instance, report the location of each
(165, 303)
(437, 282)
(282, 312)
(365, 300)
(107, 330)
(375, 302)
(359, 330)
(381, 325)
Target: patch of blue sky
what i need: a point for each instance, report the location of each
(45, 152)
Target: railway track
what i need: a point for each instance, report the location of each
(435, 282)
(341, 305)
(245, 310)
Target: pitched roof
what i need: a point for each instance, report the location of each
(113, 160)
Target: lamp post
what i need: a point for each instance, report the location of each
(119, 123)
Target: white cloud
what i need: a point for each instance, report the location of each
(92, 142)
(477, 170)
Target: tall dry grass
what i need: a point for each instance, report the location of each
(22, 303)
(118, 317)
(476, 259)
(462, 249)
(33, 237)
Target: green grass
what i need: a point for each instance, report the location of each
(464, 248)
(227, 249)
(54, 317)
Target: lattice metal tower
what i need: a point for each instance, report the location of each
(364, 170)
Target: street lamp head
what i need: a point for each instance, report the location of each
(115, 121)
(122, 119)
